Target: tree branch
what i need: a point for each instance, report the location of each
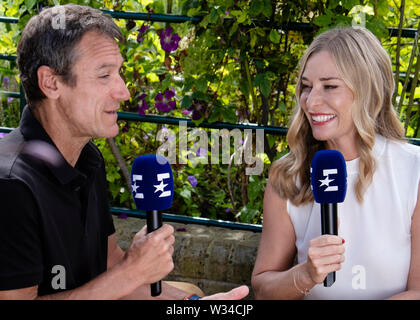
(121, 163)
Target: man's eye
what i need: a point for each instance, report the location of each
(104, 76)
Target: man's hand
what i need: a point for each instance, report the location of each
(234, 294)
(149, 256)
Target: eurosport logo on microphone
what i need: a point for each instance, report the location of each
(159, 186)
(326, 182)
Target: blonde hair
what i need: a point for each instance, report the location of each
(366, 69)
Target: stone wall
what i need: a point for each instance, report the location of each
(215, 259)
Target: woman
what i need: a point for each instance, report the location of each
(344, 94)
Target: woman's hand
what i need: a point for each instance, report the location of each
(325, 255)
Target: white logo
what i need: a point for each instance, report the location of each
(358, 281)
(327, 180)
(137, 177)
(59, 18)
(59, 280)
(160, 187)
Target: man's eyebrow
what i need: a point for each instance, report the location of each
(323, 79)
(107, 65)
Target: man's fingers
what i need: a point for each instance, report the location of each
(142, 232)
(163, 232)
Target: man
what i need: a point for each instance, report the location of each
(55, 219)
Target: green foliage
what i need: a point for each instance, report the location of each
(240, 62)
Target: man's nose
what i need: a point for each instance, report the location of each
(120, 91)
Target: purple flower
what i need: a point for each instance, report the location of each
(192, 180)
(6, 82)
(163, 102)
(168, 40)
(9, 99)
(185, 112)
(227, 210)
(142, 31)
(122, 216)
(198, 109)
(126, 127)
(142, 106)
(2, 134)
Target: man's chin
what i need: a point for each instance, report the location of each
(109, 134)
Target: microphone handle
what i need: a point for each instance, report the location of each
(329, 225)
(154, 222)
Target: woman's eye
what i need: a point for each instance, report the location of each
(330, 87)
(304, 86)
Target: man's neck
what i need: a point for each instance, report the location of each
(58, 130)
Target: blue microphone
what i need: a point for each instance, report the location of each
(329, 185)
(153, 190)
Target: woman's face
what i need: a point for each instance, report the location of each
(327, 102)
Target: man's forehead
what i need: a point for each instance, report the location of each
(99, 50)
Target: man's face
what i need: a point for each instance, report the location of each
(89, 108)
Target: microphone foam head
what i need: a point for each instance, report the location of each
(152, 183)
(328, 177)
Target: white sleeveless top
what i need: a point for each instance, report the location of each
(377, 233)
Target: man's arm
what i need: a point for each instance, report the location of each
(116, 254)
(147, 260)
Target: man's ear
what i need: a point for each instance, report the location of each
(47, 82)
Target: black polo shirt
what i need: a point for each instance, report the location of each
(54, 218)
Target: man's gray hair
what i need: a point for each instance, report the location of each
(50, 39)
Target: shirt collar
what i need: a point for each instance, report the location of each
(39, 144)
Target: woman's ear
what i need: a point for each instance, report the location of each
(47, 82)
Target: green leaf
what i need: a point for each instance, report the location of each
(205, 21)
(256, 8)
(194, 11)
(247, 214)
(186, 102)
(229, 115)
(258, 79)
(186, 195)
(242, 17)
(274, 36)
(188, 84)
(201, 84)
(233, 29)
(322, 21)
(29, 4)
(265, 87)
(215, 114)
(166, 83)
(213, 15)
(254, 189)
(267, 11)
(348, 4)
